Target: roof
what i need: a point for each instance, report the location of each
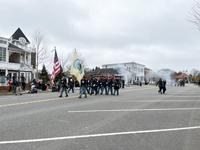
(14, 48)
(123, 63)
(181, 75)
(18, 33)
(109, 71)
(105, 71)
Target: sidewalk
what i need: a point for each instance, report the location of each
(26, 92)
(23, 92)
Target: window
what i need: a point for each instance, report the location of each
(135, 68)
(3, 42)
(141, 70)
(2, 54)
(2, 76)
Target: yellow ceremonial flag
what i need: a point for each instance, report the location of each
(77, 68)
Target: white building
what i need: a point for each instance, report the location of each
(131, 71)
(16, 57)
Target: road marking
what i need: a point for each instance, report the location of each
(126, 110)
(39, 101)
(137, 89)
(153, 101)
(22, 103)
(99, 135)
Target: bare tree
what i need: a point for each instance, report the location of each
(194, 72)
(42, 53)
(195, 14)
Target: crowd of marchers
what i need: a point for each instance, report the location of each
(94, 85)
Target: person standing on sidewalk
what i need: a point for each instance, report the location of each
(23, 79)
(64, 86)
(18, 87)
(14, 87)
(10, 85)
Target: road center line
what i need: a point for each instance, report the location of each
(126, 110)
(39, 101)
(99, 135)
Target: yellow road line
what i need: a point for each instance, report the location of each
(138, 89)
(39, 101)
(46, 100)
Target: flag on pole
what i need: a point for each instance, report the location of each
(77, 68)
(56, 68)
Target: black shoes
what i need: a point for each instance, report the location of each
(79, 97)
(66, 96)
(60, 96)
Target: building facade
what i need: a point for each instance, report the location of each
(132, 72)
(17, 58)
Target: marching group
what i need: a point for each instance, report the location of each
(95, 85)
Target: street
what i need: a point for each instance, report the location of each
(138, 119)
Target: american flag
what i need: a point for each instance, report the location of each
(56, 68)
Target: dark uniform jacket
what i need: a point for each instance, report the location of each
(104, 82)
(64, 83)
(110, 82)
(116, 84)
(83, 82)
(71, 83)
(91, 81)
(94, 83)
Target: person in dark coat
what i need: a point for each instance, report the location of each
(14, 87)
(87, 85)
(160, 85)
(64, 86)
(123, 83)
(71, 85)
(104, 85)
(94, 86)
(100, 85)
(110, 84)
(23, 79)
(90, 85)
(164, 86)
(116, 86)
(83, 87)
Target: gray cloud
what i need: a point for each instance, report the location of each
(154, 33)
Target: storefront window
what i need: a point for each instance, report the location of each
(2, 77)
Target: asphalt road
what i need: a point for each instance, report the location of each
(138, 119)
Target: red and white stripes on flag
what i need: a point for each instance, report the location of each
(56, 68)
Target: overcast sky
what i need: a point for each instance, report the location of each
(154, 33)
